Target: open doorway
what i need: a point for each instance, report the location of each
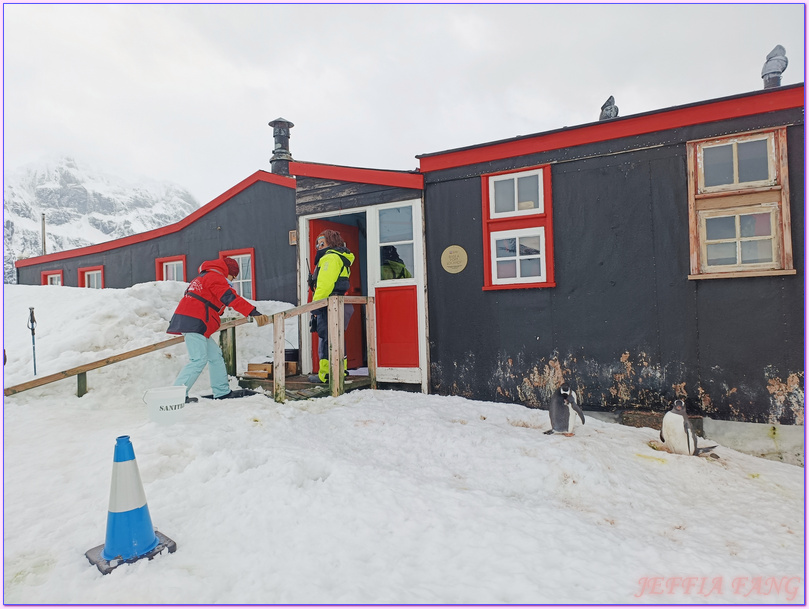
(352, 228)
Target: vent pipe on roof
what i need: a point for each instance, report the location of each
(44, 246)
(609, 109)
(774, 66)
(280, 154)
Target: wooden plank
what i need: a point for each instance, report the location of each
(693, 221)
(787, 260)
(227, 343)
(335, 344)
(58, 376)
(772, 195)
(370, 333)
(279, 355)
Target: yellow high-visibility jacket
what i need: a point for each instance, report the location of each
(332, 270)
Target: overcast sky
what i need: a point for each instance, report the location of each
(184, 92)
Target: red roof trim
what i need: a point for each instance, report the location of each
(781, 99)
(259, 176)
(381, 177)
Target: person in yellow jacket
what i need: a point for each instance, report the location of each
(332, 269)
(393, 267)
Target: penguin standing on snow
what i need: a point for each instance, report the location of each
(564, 408)
(677, 434)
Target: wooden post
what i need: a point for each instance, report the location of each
(81, 377)
(370, 334)
(227, 341)
(279, 359)
(336, 316)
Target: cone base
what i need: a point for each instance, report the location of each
(106, 566)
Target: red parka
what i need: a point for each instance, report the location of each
(205, 300)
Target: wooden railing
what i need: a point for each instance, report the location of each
(336, 349)
(336, 312)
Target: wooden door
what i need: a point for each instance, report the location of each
(353, 333)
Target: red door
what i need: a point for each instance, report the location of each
(353, 333)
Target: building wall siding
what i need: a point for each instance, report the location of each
(624, 324)
(259, 217)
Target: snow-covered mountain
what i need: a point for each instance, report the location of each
(82, 206)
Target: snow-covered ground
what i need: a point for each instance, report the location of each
(372, 497)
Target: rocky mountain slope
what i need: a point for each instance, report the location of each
(82, 206)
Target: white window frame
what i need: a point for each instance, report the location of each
(54, 279)
(92, 280)
(514, 177)
(516, 234)
(177, 266)
(243, 279)
(411, 242)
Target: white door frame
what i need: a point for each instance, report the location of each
(417, 375)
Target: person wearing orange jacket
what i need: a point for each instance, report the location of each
(197, 317)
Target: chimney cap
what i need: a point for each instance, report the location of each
(281, 122)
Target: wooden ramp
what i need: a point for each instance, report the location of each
(298, 387)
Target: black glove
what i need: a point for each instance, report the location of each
(313, 322)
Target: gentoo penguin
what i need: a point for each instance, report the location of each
(564, 408)
(677, 434)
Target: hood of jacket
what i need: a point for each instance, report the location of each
(215, 265)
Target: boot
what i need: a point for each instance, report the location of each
(323, 372)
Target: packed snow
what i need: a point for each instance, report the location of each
(371, 497)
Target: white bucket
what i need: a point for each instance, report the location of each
(165, 404)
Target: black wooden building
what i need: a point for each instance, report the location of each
(640, 258)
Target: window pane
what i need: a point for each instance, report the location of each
(396, 224)
(92, 279)
(718, 161)
(721, 253)
(530, 267)
(723, 227)
(755, 225)
(528, 192)
(506, 248)
(753, 161)
(507, 270)
(396, 262)
(756, 251)
(504, 196)
(529, 246)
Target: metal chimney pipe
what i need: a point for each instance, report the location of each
(44, 246)
(280, 155)
(774, 66)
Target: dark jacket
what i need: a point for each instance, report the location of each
(205, 301)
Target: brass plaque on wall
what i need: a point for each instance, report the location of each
(454, 259)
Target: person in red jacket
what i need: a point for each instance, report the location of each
(197, 317)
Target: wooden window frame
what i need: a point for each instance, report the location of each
(159, 263)
(90, 269)
(44, 275)
(739, 199)
(250, 251)
(507, 222)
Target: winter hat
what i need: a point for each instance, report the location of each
(233, 266)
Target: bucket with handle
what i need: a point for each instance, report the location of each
(165, 404)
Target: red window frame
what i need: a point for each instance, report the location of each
(250, 251)
(88, 269)
(159, 262)
(538, 220)
(45, 274)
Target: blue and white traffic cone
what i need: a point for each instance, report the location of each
(130, 534)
